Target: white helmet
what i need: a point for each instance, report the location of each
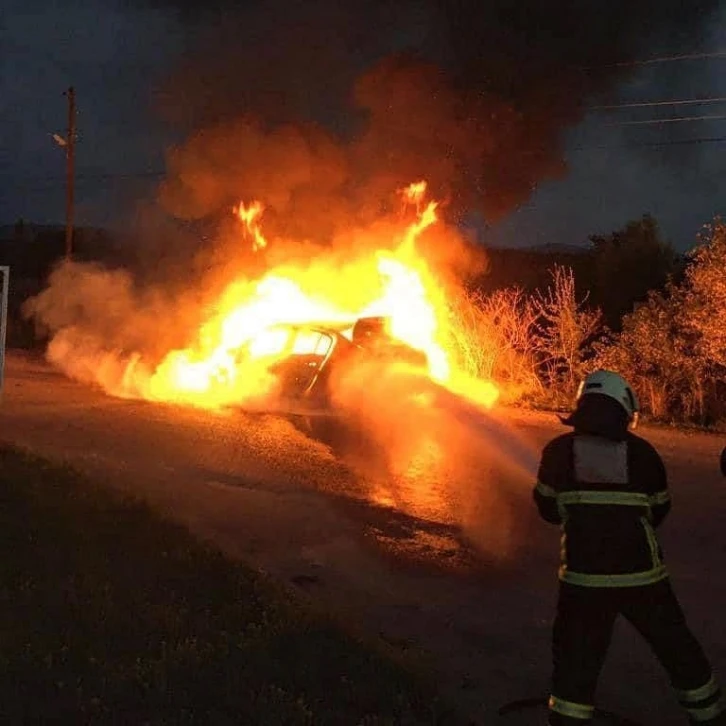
(608, 383)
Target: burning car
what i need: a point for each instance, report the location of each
(304, 358)
(256, 344)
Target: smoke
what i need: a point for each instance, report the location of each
(101, 324)
(297, 172)
(474, 96)
(106, 304)
(444, 457)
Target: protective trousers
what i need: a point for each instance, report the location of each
(581, 636)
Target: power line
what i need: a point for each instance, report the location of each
(123, 175)
(602, 147)
(90, 177)
(661, 59)
(111, 176)
(674, 119)
(650, 104)
(684, 142)
(652, 144)
(82, 182)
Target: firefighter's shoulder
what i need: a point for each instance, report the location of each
(646, 464)
(642, 447)
(559, 443)
(558, 448)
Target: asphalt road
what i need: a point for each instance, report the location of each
(444, 560)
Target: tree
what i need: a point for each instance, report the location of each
(704, 316)
(705, 297)
(566, 331)
(649, 353)
(673, 347)
(628, 264)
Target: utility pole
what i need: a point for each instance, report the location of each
(70, 168)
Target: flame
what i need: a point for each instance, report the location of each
(230, 360)
(414, 193)
(250, 216)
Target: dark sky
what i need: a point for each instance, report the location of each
(147, 71)
(617, 173)
(111, 55)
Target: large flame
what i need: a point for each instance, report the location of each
(394, 281)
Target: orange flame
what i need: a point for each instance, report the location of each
(414, 193)
(250, 217)
(229, 362)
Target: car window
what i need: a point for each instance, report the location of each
(310, 342)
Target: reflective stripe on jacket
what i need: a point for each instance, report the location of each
(608, 496)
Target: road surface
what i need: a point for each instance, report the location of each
(451, 566)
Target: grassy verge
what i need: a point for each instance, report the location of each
(109, 615)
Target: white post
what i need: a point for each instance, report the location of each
(5, 270)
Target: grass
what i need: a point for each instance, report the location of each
(110, 615)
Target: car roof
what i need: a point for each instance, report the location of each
(328, 327)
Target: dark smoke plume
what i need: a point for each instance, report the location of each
(472, 94)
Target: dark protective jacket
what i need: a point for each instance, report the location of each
(608, 493)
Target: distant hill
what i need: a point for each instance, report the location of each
(33, 249)
(528, 267)
(555, 248)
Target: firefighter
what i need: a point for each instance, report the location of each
(607, 489)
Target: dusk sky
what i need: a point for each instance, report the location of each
(617, 173)
(120, 55)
